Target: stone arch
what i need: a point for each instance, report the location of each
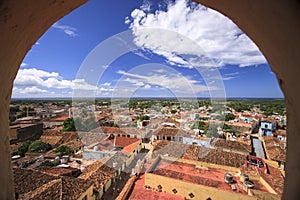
(273, 25)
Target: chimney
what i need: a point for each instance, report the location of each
(115, 140)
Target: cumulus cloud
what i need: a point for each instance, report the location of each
(69, 30)
(218, 36)
(32, 79)
(28, 90)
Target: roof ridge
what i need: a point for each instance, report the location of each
(39, 190)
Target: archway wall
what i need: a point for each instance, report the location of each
(273, 25)
(275, 28)
(22, 23)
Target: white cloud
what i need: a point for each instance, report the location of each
(230, 76)
(23, 64)
(147, 86)
(105, 90)
(127, 20)
(151, 80)
(141, 54)
(107, 84)
(146, 6)
(37, 72)
(218, 36)
(31, 80)
(71, 31)
(32, 77)
(28, 90)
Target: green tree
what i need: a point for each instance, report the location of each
(68, 125)
(24, 148)
(173, 111)
(39, 146)
(116, 125)
(48, 163)
(63, 150)
(229, 117)
(143, 117)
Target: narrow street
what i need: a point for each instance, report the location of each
(119, 182)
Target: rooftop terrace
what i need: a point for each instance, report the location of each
(206, 176)
(140, 192)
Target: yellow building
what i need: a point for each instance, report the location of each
(197, 180)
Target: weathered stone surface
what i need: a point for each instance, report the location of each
(22, 23)
(275, 28)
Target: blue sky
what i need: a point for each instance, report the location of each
(168, 58)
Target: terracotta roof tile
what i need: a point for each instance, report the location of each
(166, 131)
(59, 171)
(57, 138)
(31, 184)
(131, 147)
(124, 141)
(89, 138)
(274, 179)
(27, 180)
(231, 145)
(98, 173)
(280, 132)
(214, 156)
(274, 148)
(173, 149)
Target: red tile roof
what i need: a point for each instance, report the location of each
(159, 144)
(107, 129)
(61, 118)
(97, 173)
(166, 131)
(280, 132)
(124, 141)
(231, 145)
(173, 149)
(131, 147)
(59, 171)
(199, 175)
(274, 148)
(89, 138)
(27, 180)
(139, 192)
(31, 184)
(55, 137)
(214, 156)
(274, 178)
